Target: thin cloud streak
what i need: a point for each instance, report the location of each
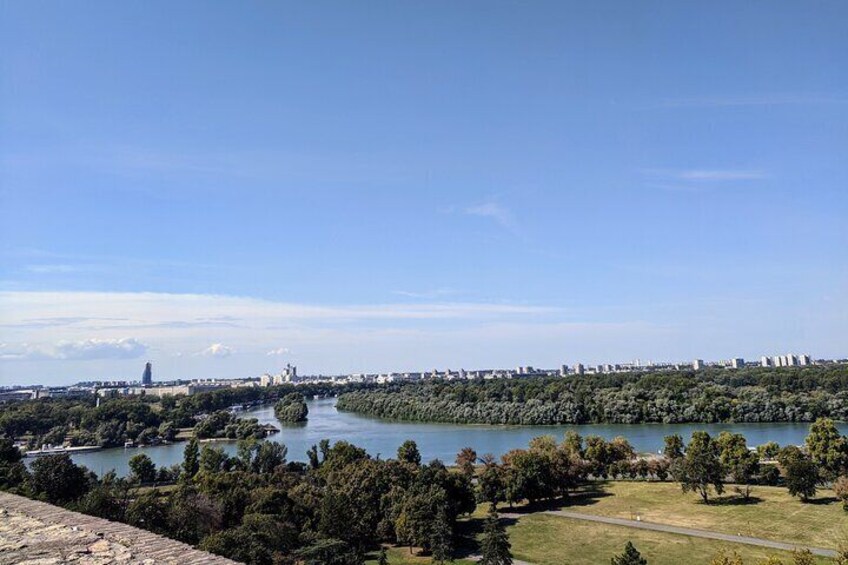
(496, 212)
(164, 310)
(753, 100)
(699, 180)
(428, 294)
(721, 175)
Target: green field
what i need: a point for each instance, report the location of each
(772, 514)
(543, 539)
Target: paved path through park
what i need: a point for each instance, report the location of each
(690, 532)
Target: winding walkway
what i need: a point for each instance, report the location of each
(690, 532)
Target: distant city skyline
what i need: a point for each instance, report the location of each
(289, 375)
(228, 188)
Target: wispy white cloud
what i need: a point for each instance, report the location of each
(125, 348)
(721, 174)
(278, 352)
(426, 294)
(496, 212)
(698, 180)
(51, 269)
(770, 99)
(82, 350)
(217, 350)
(147, 310)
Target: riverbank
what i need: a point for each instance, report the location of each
(436, 441)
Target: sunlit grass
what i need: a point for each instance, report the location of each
(771, 514)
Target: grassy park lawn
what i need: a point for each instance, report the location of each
(543, 539)
(772, 513)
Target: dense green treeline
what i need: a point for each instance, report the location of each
(142, 419)
(751, 395)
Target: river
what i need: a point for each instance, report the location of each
(442, 441)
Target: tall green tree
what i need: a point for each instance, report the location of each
(465, 460)
(491, 482)
(828, 448)
(13, 472)
(800, 473)
(142, 468)
(146, 511)
(739, 462)
(495, 545)
(631, 556)
(213, 460)
(419, 511)
(700, 468)
(573, 444)
(191, 459)
(56, 479)
(673, 448)
(441, 539)
(408, 452)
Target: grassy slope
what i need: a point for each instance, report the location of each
(774, 515)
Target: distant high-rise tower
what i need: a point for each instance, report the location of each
(147, 375)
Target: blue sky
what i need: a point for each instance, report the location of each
(227, 187)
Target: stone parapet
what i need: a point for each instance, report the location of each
(37, 533)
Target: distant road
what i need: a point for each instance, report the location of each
(689, 532)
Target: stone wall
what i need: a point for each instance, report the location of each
(36, 533)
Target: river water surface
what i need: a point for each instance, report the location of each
(442, 441)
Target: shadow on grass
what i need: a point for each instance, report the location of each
(586, 497)
(468, 530)
(822, 501)
(733, 501)
(466, 537)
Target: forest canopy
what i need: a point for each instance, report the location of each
(750, 395)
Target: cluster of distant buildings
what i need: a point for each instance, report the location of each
(787, 360)
(580, 369)
(289, 375)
